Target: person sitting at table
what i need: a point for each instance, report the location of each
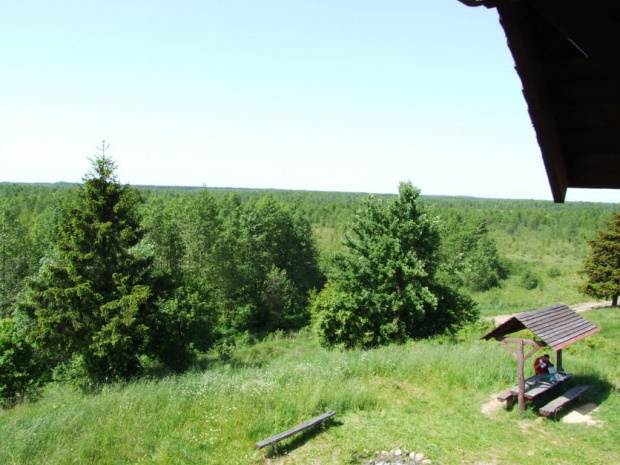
(542, 365)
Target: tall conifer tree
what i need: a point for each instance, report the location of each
(384, 288)
(91, 301)
(602, 267)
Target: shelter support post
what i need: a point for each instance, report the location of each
(521, 357)
(521, 374)
(558, 360)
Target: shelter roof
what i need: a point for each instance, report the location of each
(567, 54)
(558, 326)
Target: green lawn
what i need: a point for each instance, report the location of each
(426, 396)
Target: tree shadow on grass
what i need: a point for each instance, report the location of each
(290, 444)
(598, 391)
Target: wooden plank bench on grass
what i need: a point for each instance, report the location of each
(507, 397)
(555, 405)
(295, 430)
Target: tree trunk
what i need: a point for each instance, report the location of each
(614, 300)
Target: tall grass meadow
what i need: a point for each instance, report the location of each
(425, 396)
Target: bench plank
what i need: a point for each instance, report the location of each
(556, 404)
(507, 397)
(295, 430)
(539, 384)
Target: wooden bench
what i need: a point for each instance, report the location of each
(507, 397)
(555, 405)
(295, 430)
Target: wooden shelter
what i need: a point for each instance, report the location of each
(567, 54)
(556, 326)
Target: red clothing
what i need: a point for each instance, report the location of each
(541, 366)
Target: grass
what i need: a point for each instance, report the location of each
(425, 396)
(554, 263)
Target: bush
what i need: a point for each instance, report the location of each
(384, 287)
(22, 373)
(530, 280)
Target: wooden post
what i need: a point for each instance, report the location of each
(521, 373)
(558, 360)
(521, 357)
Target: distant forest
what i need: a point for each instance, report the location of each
(541, 244)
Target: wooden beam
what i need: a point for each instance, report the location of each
(525, 341)
(595, 170)
(532, 351)
(278, 437)
(486, 3)
(515, 18)
(510, 350)
(591, 29)
(521, 376)
(519, 355)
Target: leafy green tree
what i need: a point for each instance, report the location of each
(200, 230)
(92, 299)
(14, 257)
(267, 262)
(180, 236)
(185, 323)
(384, 289)
(22, 372)
(163, 233)
(470, 256)
(602, 267)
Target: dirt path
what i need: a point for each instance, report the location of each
(499, 319)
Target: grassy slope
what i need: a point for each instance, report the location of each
(553, 252)
(425, 397)
(556, 264)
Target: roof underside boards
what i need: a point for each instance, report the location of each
(567, 54)
(558, 326)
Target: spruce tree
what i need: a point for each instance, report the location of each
(602, 267)
(92, 303)
(385, 287)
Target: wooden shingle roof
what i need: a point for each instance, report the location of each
(558, 326)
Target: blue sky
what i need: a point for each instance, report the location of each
(315, 95)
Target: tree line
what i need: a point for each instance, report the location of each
(100, 278)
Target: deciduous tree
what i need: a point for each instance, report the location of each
(22, 372)
(267, 261)
(14, 250)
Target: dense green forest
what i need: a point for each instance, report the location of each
(203, 268)
(536, 238)
(545, 239)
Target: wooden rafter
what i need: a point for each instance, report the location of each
(576, 21)
(516, 22)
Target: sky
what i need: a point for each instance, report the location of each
(328, 95)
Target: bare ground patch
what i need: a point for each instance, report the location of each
(493, 405)
(581, 415)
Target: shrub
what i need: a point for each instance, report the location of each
(384, 288)
(21, 371)
(530, 280)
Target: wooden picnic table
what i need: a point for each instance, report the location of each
(539, 384)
